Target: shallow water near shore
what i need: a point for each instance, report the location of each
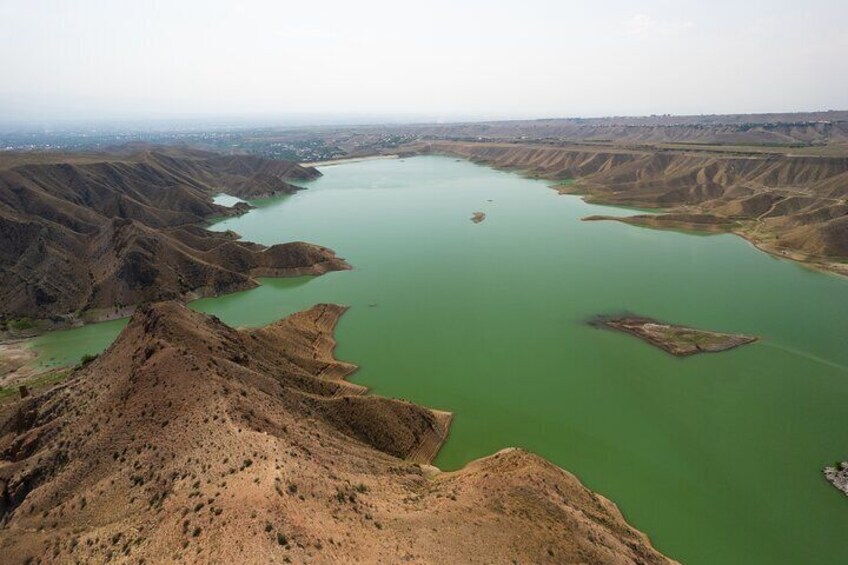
(716, 457)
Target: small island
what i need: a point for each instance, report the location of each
(681, 341)
(838, 476)
(478, 217)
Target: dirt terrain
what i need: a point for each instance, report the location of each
(13, 356)
(89, 236)
(791, 206)
(190, 441)
(681, 341)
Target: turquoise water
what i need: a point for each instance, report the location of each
(716, 457)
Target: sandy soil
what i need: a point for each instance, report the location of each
(14, 356)
(344, 160)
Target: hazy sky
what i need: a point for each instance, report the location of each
(436, 59)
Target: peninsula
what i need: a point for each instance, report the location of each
(188, 440)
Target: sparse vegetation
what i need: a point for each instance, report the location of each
(86, 359)
(21, 324)
(42, 381)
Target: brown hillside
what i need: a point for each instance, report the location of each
(189, 441)
(85, 237)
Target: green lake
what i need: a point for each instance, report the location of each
(716, 457)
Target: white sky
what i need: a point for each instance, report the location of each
(436, 59)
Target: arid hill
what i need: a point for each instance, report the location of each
(795, 207)
(188, 440)
(92, 235)
(810, 133)
(776, 130)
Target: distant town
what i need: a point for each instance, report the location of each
(297, 144)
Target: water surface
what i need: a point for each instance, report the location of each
(717, 457)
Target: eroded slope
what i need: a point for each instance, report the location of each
(92, 238)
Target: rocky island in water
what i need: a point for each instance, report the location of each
(838, 476)
(681, 341)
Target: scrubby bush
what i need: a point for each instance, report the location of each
(86, 359)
